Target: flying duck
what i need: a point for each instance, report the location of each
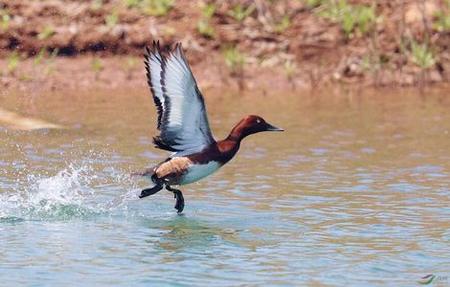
(183, 125)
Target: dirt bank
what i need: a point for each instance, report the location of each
(124, 72)
(52, 44)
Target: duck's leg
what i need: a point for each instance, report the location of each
(150, 191)
(179, 205)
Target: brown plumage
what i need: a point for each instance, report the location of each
(172, 170)
(184, 127)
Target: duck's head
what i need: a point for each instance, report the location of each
(251, 125)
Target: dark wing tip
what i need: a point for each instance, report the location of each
(176, 51)
(179, 49)
(154, 52)
(154, 49)
(159, 143)
(179, 46)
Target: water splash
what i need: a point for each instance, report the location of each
(74, 192)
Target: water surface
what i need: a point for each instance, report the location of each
(354, 193)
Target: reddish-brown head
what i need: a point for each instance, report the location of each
(251, 125)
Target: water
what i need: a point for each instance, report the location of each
(354, 193)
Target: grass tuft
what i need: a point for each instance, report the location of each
(290, 68)
(313, 3)
(422, 55)
(13, 62)
(46, 33)
(352, 18)
(208, 10)
(205, 29)
(442, 18)
(240, 12)
(5, 19)
(151, 7)
(96, 5)
(204, 26)
(234, 60)
(97, 66)
(284, 24)
(40, 56)
(112, 19)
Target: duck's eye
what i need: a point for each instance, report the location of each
(258, 121)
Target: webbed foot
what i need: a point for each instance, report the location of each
(178, 195)
(179, 205)
(150, 191)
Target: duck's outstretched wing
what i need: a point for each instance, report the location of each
(182, 118)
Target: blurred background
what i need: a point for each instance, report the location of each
(243, 44)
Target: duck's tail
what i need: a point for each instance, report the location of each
(148, 173)
(152, 190)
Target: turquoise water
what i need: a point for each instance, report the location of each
(354, 193)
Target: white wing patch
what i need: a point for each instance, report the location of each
(182, 114)
(179, 82)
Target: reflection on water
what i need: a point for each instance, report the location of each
(355, 192)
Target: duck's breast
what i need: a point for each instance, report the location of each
(197, 171)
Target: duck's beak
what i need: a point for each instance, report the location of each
(271, 128)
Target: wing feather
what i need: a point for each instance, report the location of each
(182, 117)
(153, 61)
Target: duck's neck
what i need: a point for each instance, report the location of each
(230, 145)
(236, 134)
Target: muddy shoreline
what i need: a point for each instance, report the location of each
(87, 72)
(53, 45)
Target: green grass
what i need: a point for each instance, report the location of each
(96, 4)
(208, 10)
(374, 62)
(234, 60)
(130, 65)
(40, 56)
(422, 55)
(442, 18)
(50, 62)
(284, 24)
(157, 7)
(5, 19)
(352, 18)
(204, 26)
(366, 18)
(290, 68)
(205, 29)
(112, 19)
(168, 31)
(13, 62)
(151, 7)
(132, 3)
(97, 66)
(46, 33)
(43, 57)
(313, 3)
(240, 12)
(442, 22)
